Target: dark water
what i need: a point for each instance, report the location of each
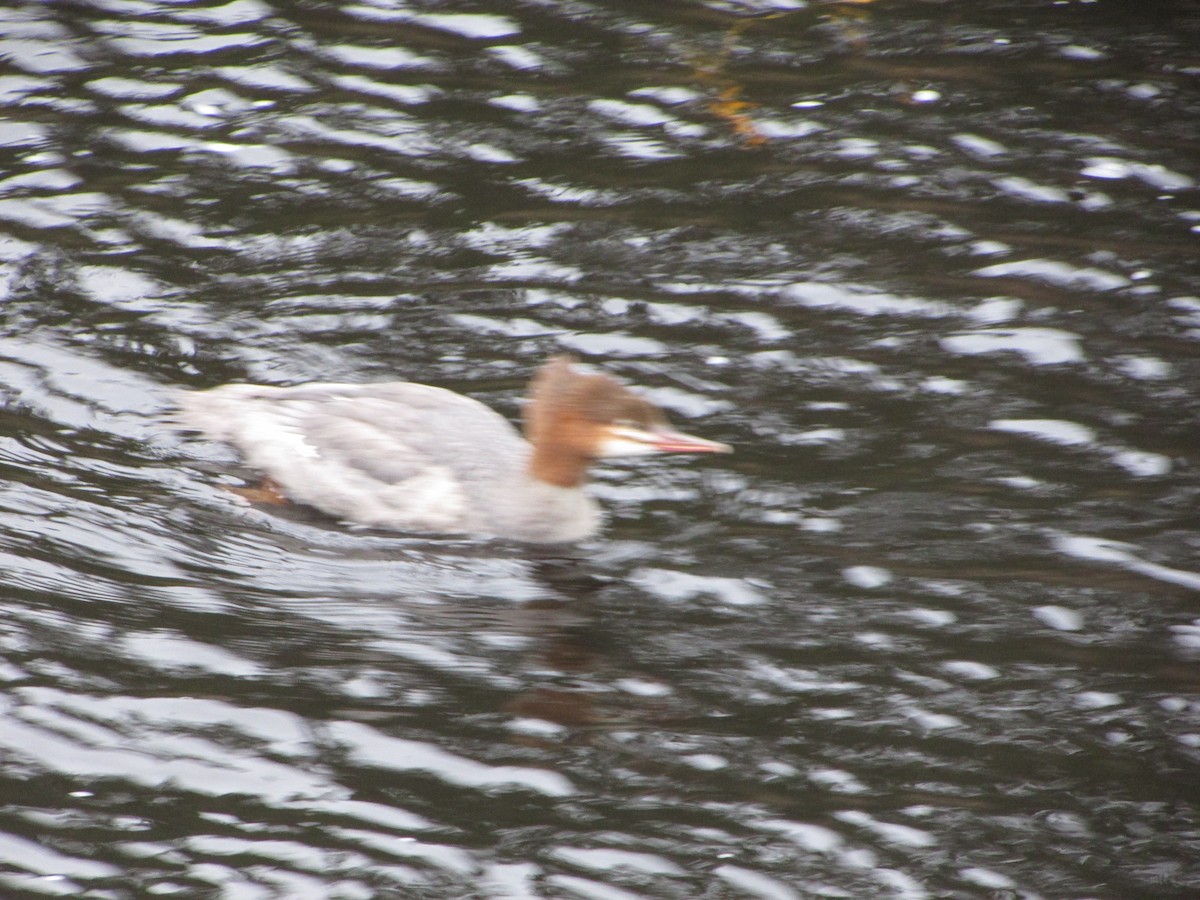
(932, 631)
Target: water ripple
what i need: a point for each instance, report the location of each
(929, 632)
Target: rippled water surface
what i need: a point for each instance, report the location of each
(932, 631)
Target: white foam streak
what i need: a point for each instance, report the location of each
(1123, 555)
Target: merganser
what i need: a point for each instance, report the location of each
(412, 457)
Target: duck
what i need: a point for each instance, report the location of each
(410, 457)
